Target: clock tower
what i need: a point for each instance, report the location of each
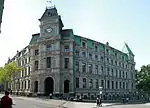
(50, 23)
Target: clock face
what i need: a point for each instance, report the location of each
(49, 30)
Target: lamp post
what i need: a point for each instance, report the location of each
(100, 91)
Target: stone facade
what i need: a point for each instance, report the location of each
(60, 62)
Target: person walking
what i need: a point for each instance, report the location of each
(6, 101)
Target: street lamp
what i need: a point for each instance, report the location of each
(100, 91)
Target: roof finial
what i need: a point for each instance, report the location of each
(49, 4)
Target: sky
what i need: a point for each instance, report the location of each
(113, 21)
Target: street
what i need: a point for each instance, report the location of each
(24, 102)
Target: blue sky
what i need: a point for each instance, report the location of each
(115, 21)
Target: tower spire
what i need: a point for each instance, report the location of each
(49, 4)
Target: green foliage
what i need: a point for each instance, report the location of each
(143, 78)
(7, 71)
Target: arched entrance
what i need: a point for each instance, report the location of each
(49, 86)
(36, 86)
(66, 86)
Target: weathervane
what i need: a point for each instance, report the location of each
(49, 4)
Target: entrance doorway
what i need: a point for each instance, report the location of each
(66, 86)
(49, 86)
(36, 86)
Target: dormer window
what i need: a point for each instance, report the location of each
(107, 51)
(83, 44)
(96, 49)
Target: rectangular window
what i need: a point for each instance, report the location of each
(91, 83)
(112, 84)
(66, 48)
(126, 75)
(24, 84)
(116, 85)
(96, 69)
(102, 69)
(37, 52)
(120, 85)
(77, 66)
(66, 63)
(123, 85)
(84, 82)
(83, 67)
(108, 84)
(28, 84)
(102, 83)
(96, 49)
(123, 74)
(29, 71)
(49, 47)
(83, 44)
(120, 74)
(126, 85)
(77, 53)
(83, 54)
(77, 82)
(90, 56)
(96, 57)
(36, 65)
(48, 62)
(97, 85)
(112, 62)
(90, 68)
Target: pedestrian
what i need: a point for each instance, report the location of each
(6, 101)
(97, 101)
(100, 102)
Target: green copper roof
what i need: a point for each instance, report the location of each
(34, 39)
(126, 49)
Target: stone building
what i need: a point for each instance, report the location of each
(59, 62)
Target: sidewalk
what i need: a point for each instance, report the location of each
(63, 103)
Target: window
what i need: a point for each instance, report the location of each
(83, 67)
(112, 84)
(77, 53)
(48, 62)
(102, 83)
(126, 85)
(107, 60)
(96, 69)
(112, 62)
(96, 57)
(102, 69)
(83, 44)
(123, 85)
(77, 82)
(108, 71)
(24, 84)
(26, 60)
(123, 74)
(120, 85)
(116, 54)
(83, 54)
(84, 82)
(29, 70)
(90, 68)
(116, 73)
(126, 75)
(66, 63)
(120, 74)
(116, 63)
(112, 72)
(108, 84)
(91, 83)
(116, 85)
(90, 56)
(102, 59)
(77, 66)
(37, 52)
(96, 83)
(66, 48)
(96, 49)
(36, 65)
(28, 84)
(29, 59)
(49, 47)
(107, 51)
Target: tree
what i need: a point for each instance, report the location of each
(7, 72)
(143, 78)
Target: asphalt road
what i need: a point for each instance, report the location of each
(36, 103)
